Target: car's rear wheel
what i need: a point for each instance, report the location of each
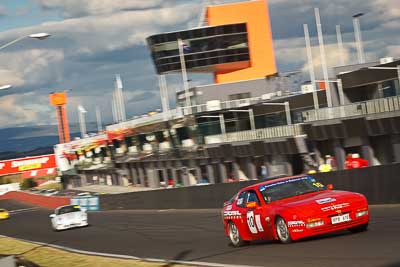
(234, 235)
(359, 228)
(282, 231)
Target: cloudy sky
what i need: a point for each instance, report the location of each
(92, 40)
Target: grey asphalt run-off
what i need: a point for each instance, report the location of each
(198, 236)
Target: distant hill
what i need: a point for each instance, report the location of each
(33, 140)
(36, 152)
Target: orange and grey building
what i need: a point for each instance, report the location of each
(236, 44)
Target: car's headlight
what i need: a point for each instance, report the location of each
(361, 213)
(315, 224)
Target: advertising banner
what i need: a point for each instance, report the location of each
(27, 164)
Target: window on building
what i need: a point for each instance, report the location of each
(239, 96)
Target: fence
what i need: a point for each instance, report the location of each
(258, 134)
(375, 106)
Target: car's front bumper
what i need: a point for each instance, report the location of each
(328, 227)
(69, 226)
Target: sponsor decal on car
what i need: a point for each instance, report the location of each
(229, 207)
(254, 222)
(325, 200)
(262, 188)
(336, 207)
(297, 230)
(234, 214)
(296, 223)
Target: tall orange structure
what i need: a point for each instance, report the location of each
(59, 100)
(236, 44)
(256, 16)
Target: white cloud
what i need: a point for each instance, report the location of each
(77, 8)
(3, 11)
(30, 67)
(25, 109)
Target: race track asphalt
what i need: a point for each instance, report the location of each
(197, 235)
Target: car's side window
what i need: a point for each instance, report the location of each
(252, 197)
(241, 201)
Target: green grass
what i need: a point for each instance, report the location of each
(50, 257)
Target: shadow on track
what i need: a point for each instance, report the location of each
(180, 256)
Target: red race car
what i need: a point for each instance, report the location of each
(292, 208)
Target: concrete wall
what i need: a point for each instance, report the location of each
(379, 184)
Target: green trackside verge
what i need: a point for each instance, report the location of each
(46, 256)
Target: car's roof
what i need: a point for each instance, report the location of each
(67, 206)
(255, 186)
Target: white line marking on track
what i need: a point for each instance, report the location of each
(22, 210)
(90, 253)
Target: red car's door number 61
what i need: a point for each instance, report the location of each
(254, 223)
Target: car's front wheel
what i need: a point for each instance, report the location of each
(359, 228)
(282, 231)
(234, 235)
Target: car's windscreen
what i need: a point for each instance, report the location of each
(289, 188)
(2, 210)
(68, 209)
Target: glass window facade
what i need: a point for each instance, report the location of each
(203, 47)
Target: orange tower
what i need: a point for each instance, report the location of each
(256, 16)
(59, 100)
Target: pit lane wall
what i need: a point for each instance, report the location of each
(37, 200)
(380, 184)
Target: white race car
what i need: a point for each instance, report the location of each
(70, 216)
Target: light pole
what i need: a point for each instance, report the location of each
(311, 66)
(184, 73)
(287, 110)
(340, 44)
(221, 121)
(82, 123)
(39, 36)
(251, 116)
(357, 33)
(6, 87)
(322, 54)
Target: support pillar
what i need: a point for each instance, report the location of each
(210, 174)
(367, 152)
(152, 176)
(251, 168)
(141, 176)
(135, 177)
(340, 155)
(222, 171)
(236, 169)
(396, 148)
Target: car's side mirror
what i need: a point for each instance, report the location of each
(52, 216)
(251, 205)
(330, 186)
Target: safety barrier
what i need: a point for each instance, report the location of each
(380, 184)
(89, 203)
(37, 200)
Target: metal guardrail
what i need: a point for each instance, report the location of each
(258, 134)
(179, 112)
(375, 106)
